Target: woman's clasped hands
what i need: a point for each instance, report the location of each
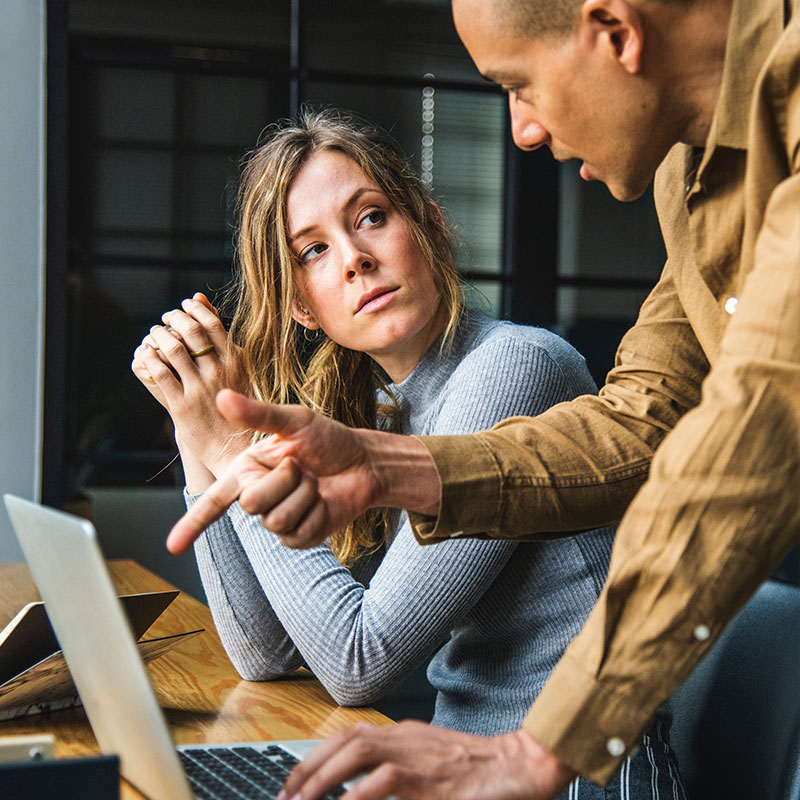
(184, 363)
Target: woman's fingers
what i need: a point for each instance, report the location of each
(198, 324)
(150, 368)
(201, 298)
(201, 309)
(138, 367)
(172, 350)
(191, 332)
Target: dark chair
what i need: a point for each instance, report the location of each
(736, 727)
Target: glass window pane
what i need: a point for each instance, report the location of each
(229, 110)
(133, 105)
(485, 295)
(193, 23)
(132, 191)
(112, 418)
(601, 237)
(466, 167)
(594, 320)
(397, 38)
(207, 192)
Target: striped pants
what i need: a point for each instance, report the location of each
(650, 774)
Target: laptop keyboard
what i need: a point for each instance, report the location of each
(221, 773)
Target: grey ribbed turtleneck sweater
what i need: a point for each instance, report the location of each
(497, 614)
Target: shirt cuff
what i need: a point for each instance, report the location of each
(470, 501)
(586, 725)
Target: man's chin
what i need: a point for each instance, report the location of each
(626, 192)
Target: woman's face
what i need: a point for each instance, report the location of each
(362, 277)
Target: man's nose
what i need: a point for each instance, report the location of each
(527, 132)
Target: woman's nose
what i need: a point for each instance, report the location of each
(357, 261)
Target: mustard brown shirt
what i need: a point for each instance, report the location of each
(696, 435)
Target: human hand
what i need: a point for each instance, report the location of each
(415, 760)
(186, 385)
(312, 476)
(276, 476)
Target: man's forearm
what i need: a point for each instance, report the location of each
(405, 472)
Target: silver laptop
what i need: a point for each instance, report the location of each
(71, 575)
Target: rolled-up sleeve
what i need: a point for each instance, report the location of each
(579, 464)
(719, 511)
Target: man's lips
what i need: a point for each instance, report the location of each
(376, 299)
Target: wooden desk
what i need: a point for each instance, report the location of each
(203, 698)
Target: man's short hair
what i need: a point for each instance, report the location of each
(537, 18)
(544, 18)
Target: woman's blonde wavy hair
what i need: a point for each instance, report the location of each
(281, 365)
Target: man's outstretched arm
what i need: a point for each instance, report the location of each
(311, 476)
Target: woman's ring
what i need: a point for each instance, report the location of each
(203, 351)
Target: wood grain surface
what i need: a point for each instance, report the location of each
(203, 698)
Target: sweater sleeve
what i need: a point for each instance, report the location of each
(253, 637)
(359, 639)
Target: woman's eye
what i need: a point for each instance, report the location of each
(312, 252)
(373, 218)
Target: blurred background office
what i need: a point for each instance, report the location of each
(123, 128)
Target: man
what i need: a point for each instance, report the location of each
(696, 432)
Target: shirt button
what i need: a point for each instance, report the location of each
(730, 305)
(615, 746)
(702, 632)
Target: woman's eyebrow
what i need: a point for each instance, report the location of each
(356, 196)
(351, 201)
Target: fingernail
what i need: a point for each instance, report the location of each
(281, 795)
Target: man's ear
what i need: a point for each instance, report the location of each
(302, 316)
(616, 27)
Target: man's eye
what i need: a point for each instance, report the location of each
(312, 252)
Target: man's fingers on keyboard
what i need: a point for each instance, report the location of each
(313, 761)
(334, 761)
(208, 508)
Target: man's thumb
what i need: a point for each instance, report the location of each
(258, 416)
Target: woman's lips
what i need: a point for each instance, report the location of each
(377, 302)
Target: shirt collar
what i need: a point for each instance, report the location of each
(755, 26)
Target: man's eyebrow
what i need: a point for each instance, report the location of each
(351, 201)
(499, 77)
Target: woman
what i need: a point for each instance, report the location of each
(349, 302)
